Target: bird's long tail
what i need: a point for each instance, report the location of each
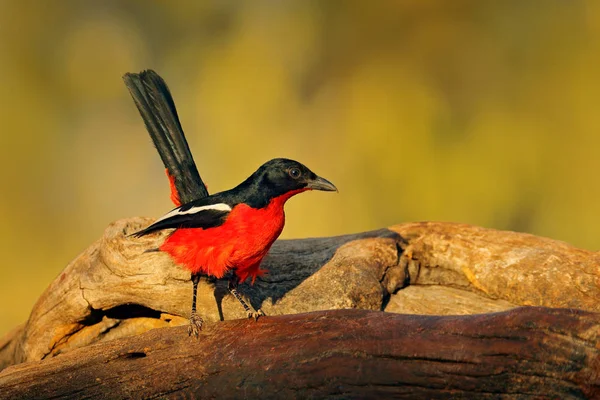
(157, 108)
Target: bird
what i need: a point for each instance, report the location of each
(226, 234)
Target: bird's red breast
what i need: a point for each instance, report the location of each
(240, 243)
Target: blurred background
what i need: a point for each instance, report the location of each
(483, 112)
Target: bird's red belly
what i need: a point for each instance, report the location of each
(240, 243)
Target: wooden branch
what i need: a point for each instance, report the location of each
(507, 268)
(117, 289)
(524, 353)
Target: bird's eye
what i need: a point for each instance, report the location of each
(294, 173)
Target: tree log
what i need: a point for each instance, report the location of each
(517, 268)
(526, 353)
(117, 289)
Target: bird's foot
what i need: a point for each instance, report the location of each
(195, 325)
(255, 314)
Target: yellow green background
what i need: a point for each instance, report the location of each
(483, 112)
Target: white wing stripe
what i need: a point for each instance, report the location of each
(194, 210)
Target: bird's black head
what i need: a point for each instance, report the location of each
(281, 176)
(291, 175)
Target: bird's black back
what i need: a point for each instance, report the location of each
(271, 180)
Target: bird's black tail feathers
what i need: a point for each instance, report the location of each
(156, 106)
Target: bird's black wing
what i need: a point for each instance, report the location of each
(190, 216)
(157, 108)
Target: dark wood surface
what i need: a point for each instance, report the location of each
(525, 353)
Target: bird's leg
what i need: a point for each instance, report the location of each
(195, 319)
(252, 313)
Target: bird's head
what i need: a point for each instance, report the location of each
(282, 176)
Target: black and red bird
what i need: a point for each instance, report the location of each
(225, 233)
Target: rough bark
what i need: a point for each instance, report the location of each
(517, 268)
(116, 288)
(527, 353)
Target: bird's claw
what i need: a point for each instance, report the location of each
(256, 314)
(195, 325)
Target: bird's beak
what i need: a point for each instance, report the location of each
(321, 184)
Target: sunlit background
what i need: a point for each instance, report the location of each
(483, 112)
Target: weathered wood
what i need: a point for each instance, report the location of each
(517, 268)
(115, 288)
(526, 353)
